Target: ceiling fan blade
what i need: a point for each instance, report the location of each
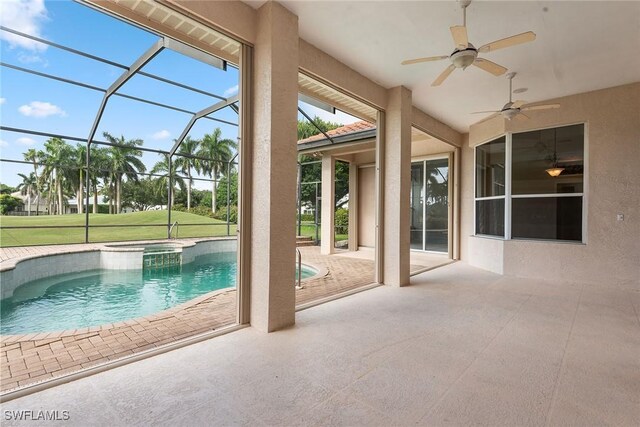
(489, 117)
(529, 36)
(459, 33)
(491, 67)
(443, 76)
(518, 104)
(427, 59)
(540, 107)
(484, 112)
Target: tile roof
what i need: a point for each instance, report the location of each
(342, 130)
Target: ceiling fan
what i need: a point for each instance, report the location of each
(515, 108)
(466, 54)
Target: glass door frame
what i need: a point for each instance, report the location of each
(423, 160)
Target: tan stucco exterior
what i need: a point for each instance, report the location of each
(612, 249)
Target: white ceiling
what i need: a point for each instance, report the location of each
(580, 46)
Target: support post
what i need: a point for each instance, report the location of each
(229, 192)
(327, 217)
(379, 189)
(274, 153)
(397, 183)
(169, 194)
(87, 181)
(243, 230)
(299, 233)
(315, 215)
(353, 206)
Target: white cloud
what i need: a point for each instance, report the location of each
(231, 91)
(25, 16)
(3, 143)
(25, 141)
(161, 134)
(41, 109)
(3, 100)
(30, 58)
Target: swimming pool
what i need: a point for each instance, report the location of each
(96, 297)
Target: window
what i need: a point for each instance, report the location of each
(542, 196)
(490, 187)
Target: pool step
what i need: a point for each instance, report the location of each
(161, 259)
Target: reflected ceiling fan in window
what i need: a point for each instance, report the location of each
(466, 54)
(515, 108)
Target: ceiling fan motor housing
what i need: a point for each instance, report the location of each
(464, 58)
(510, 113)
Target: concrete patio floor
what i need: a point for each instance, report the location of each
(459, 346)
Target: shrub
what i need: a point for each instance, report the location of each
(307, 218)
(8, 203)
(342, 221)
(221, 214)
(202, 211)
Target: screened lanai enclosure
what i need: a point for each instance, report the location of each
(116, 135)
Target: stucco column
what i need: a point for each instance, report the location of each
(397, 182)
(274, 151)
(353, 206)
(327, 214)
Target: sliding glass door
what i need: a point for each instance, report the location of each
(430, 205)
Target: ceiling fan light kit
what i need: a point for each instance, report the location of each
(464, 58)
(466, 54)
(513, 109)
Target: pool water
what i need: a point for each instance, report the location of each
(96, 297)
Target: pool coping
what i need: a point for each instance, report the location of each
(321, 271)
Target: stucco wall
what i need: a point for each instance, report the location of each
(367, 207)
(430, 147)
(466, 197)
(612, 250)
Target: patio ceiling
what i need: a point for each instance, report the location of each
(162, 19)
(316, 89)
(581, 46)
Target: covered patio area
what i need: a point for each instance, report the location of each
(460, 346)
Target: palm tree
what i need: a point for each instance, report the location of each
(189, 147)
(162, 185)
(124, 162)
(57, 156)
(97, 168)
(26, 187)
(79, 161)
(34, 156)
(217, 151)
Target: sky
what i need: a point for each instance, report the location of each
(41, 104)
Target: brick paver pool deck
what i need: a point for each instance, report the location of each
(33, 358)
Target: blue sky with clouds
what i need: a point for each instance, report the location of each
(36, 103)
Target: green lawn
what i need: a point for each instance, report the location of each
(310, 230)
(144, 229)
